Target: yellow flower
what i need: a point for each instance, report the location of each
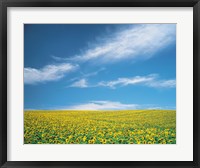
(70, 136)
(84, 138)
(126, 126)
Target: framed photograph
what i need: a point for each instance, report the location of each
(100, 83)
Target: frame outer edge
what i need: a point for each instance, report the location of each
(3, 82)
(1, 117)
(196, 89)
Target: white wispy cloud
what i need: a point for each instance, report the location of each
(151, 80)
(127, 81)
(87, 75)
(154, 108)
(162, 83)
(82, 83)
(47, 73)
(137, 41)
(107, 105)
(103, 105)
(56, 58)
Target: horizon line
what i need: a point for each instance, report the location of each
(93, 109)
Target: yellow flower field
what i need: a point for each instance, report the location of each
(100, 127)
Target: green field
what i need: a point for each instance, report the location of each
(100, 127)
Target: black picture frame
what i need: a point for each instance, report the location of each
(4, 4)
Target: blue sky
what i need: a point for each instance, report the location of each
(100, 66)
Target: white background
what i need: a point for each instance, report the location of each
(182, 151)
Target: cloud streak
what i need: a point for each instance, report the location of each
(47, 73)
(135, 42)
(103, 105)
(149, 81)
(87, 75)
(127, 81)
(82, 83)
(162, 83)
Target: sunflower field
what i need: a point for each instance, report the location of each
(100, 127)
